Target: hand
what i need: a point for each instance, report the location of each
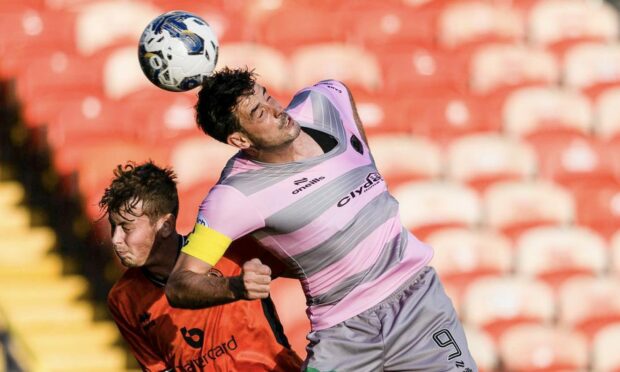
(256, 278)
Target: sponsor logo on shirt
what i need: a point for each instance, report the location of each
(209, 356)
(304, 183)
(372, 179)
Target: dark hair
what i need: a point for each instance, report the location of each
(154, 186)
(217, 99)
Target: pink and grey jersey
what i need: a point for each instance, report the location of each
(330, 218)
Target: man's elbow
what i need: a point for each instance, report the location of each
(175, 293)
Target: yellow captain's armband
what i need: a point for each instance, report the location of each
(206, 244)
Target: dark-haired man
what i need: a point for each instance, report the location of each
(142, 206)
(306, 186)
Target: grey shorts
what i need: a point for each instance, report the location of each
(414, 329)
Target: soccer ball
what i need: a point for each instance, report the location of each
(177, 50)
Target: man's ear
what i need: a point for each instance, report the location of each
(167, 225)
(239, 140)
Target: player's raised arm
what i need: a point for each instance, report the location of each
(192, 285)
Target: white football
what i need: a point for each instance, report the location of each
(177, 50)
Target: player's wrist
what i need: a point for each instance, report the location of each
(237, 288)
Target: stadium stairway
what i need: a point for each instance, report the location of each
(50, 326)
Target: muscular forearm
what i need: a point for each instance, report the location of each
(189, 290)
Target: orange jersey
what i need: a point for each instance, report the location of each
(239, 336)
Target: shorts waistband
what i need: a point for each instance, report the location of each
(412, 281)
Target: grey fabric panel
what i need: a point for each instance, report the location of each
(391, 254)
(375, 213)
(253, 181)
(316, 202)
(414, 329)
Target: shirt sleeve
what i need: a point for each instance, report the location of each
(338, 94)
(141, 349)
(224, 215)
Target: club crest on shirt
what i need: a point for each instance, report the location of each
(202, 221)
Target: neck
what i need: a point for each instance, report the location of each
(301, 148)
(163, 257)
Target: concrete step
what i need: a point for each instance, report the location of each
(23, 246)
(11, 193)
(14, 217)
(44, 289)
(47, 266)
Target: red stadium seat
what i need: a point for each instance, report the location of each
(348, 63)
(412, 70)
(592, 67)
(480, 160)
(513, 207)
(498, 304)
(393, 154)
(614, 266)
(122, 74)
(607, 114)
(465, 255)
(213, 155)
(496, 66)
(297, 25)
(270, 64)
(605, 356)
(588, 304)
(598, 206)
(101, 24)
(538, 348)
(559, 24)
(531, 110)
(555, 254)
(571, 159)
(483, 349)
(378, 25)
(469, 23)
(429, 206)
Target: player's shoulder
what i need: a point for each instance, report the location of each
(130, 284)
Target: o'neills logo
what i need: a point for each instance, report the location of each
(372, 180)
(305, 183)
(211, 355)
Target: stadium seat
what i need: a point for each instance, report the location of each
(320, 25)
(449, 115)
(159, 115)
(480, 160)
(421, 70)
(558, 24)
(478, 22)
(426, 206)
(395, 158)
(588, 304)
(346, 63)
(122, 74)
(183, 155)
(607, 114)
(605, 356)
(270, 64)
(482, 348)
(59, 74)
(513, 207)
(614, 266)
(378, 25)
(496, 66)
(598, 206)
(101, 24)
(538, 348)
(531, 110)
(555, 254)
(573, 159)
(592, 67)
(498, 304)
(464, 255)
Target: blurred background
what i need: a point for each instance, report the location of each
(496, 124)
